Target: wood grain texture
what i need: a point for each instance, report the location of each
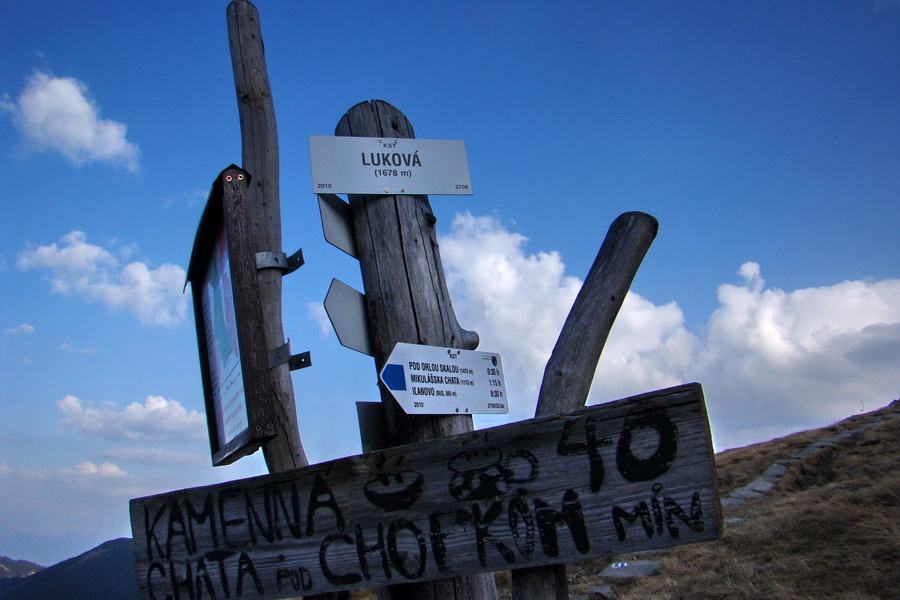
(630, 475)
(260, 155)
(246, 298)
(406, 293)
(570, 371)
(224, 221)
(407, 301)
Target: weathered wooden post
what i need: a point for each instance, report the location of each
(259, 141)
(407, 301)
(570, 370)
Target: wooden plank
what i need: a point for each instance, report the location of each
(570, 371)
(630, 475)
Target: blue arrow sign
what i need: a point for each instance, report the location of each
(394, 377)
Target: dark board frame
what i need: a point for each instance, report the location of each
(226, 211)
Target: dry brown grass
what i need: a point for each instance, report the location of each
(739, 466)
(830, 529)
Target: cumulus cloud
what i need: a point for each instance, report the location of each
(69, 347)
(516, 302)
(158, 457)
(771, 361)
(648, 348)
(57, 113)
(153, 420)
(797, 357)
(318, 315)
(21, 329)
(85, 469)
(80, 268)
(56, 510)
(90, 469)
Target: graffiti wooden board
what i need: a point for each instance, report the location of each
(634, 474)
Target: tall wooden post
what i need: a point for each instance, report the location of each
(259, 141)
(570, 370)
(407, 301)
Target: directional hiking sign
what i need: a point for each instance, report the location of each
(368, 165)
(429, 380)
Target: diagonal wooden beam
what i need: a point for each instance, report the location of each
(570, 370)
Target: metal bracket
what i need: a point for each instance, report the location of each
(282, 355)
(279, 260)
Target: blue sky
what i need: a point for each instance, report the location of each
(764, 137)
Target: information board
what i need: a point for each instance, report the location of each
(227, 380)
(364, 165)
(227, 316)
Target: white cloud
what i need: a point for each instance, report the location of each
(86, 478)
(516, 302)
(71, 475)
(771, 361)
(90, 469)
(159, 457)
(57, 113)
(21, 329)
(155, 419)
(55, 511)
(68, 347)
(648, 348)
(319, 316)
(78, 267)
(802, 357)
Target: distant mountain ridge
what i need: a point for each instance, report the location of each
(105, 573)
(17, 568)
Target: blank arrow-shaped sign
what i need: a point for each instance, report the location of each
(430, 380)
(336, 223)
(346, 310)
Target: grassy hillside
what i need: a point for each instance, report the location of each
(830, 528)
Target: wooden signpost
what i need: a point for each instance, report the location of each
(570, 371)
(635, 474)
(437, 509)
(259, 153)
(407, 300)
